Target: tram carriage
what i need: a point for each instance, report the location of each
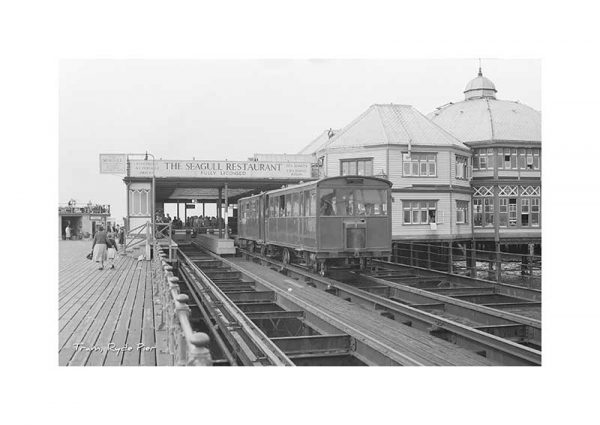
(325, 222)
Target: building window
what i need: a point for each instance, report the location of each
(356, 167)
(507, 159)
(535, 212)
(503, 210)
(483, 159)
(419, 165)
(483, 212)
(140, 202)
(525, 212)
(462, 163)
(461, 212)
(522, 159)
(419, 212)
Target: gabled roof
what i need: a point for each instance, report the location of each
(318, 143)
(391, 124)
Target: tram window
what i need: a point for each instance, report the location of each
(313, 203)
(327, 202)
(288, 205)
(281, 206)
(295, 204)
(371, 202)
(344, 199)
(307, 211)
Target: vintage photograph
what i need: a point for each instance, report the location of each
(300, 212)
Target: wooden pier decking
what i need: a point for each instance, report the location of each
(107, 317)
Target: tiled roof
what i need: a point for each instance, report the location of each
(391, 124)
(478, 120)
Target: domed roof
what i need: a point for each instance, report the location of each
(489, 120)
(480, 86)
(483, 118)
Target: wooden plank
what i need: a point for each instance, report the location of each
(134, 330)
(77, 328)
(104, 324)
(148, 351)
(120, 335)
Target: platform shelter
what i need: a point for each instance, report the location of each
(150, 184)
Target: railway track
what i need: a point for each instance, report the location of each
(254, 322)
(474, 317)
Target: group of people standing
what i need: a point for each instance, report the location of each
(104, 246)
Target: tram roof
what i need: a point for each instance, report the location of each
(319, 182)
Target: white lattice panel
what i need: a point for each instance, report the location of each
(507, 190)
(530, 191)
(483, 191)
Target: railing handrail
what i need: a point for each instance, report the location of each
(189, 348)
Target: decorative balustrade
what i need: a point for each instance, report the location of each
(84, 209)
(188, 348)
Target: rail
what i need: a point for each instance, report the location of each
(249, 343)
(188, 348)
(458, 259)
(498, 348)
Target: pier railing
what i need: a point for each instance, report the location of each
(143, 235)
(522, 269)
(187, 348)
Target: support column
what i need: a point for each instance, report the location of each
(411, 252)
(428, 255)
(450, 258)
(204, 209)
(219, 212)
(226, 219)
(473, 259)
(498, 262)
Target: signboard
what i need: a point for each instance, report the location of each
(113, 163)
(96, 217)
(190, 206)
(221, 169)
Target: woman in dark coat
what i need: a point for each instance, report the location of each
(99, 247)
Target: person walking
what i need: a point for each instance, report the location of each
(68, 232)
(99, 247)
(111, 252)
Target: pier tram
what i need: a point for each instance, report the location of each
(337, 220)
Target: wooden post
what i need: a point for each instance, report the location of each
(219, 206)
(225, 220)
(147, 253)
(450, 258)
(498, 262)
(428, 255)
(411, 252)
(473, 256)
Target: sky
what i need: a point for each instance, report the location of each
(232, 109)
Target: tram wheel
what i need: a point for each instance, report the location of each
(323, 268)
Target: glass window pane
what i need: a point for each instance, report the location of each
(407, 216)
(415, 168)
(416, 217)
(352, 168)
(406, 170)
(327, 202)
(432, 168)
(423, 168)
